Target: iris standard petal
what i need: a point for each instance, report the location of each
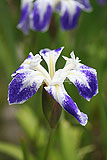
(69, 12)
(50, 57)
(85, 79)
(24, 22)
(61, 96)
(24, 86)
(41, 15)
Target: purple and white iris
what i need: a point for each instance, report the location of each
(31, 74)
(37, 14)
(26, 8)
(102, 2)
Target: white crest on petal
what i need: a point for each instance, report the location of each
(35, 61)
(72, 63)
(32, 61)
(29, 63)
(75, 59)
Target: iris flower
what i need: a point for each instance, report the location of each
(102, 2)
(37, 14)
(31, 75)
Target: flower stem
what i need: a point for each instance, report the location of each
(48, 144)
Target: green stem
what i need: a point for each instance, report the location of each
(48, 145)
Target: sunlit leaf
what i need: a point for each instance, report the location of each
(7, 30)
(25, 150)
(30, 124)
(7, 65)
(28, 121)
(12, 150)
(85, 150)
(69, 139)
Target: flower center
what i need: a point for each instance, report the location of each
(44, 73)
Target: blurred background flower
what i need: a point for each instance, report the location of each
(102, 2)
(23, 128)
(37, 15)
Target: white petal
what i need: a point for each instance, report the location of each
(85, 79)
(50, 57)
(61, 96)
(71, 63)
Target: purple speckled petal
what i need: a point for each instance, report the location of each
(24, 22)
(24, 86)
(61, 96)
(85, 79)
(41, 15)
(51, 55)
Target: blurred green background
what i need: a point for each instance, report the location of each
(24, 131)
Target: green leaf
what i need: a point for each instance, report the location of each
(30, 124)
(12, 150)
(5, 59)
(69, 139)
(85, 150)
(103, 112)
(25, 150)
(28, 121)
(55, 155)
(51, 109)
(7, 30)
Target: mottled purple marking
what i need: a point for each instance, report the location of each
(72, 108)
(57, 50)
(50, 92)
(29, 56)
(18, 95)
(44, 51)
(85, 67)
(69, 21)
(37, 23)
(24, 20)
(84, 91)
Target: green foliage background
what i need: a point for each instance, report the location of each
(24, 131)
